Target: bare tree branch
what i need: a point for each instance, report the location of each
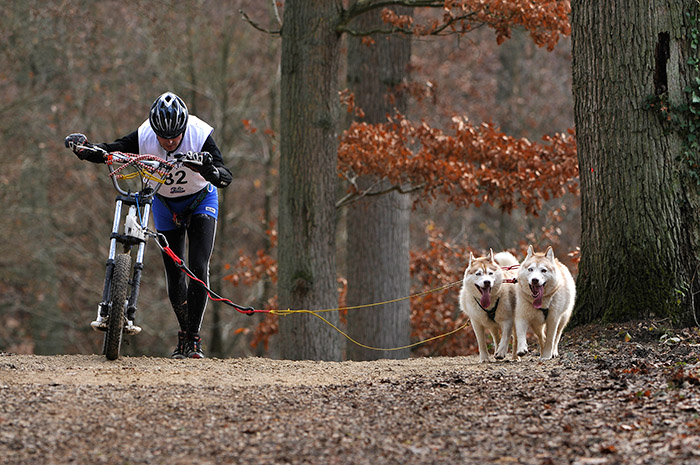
(276, 11)
(247, 19)
(440, 31)
(355, 196)
(362, 6)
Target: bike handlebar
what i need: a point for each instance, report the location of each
(150, 167)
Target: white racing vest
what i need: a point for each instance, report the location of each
(182, 180)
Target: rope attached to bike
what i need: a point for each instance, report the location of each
(250, 310)
(212, 295)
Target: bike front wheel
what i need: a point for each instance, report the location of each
(118, 295)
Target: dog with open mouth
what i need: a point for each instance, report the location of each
(545, 301)
(488, 297)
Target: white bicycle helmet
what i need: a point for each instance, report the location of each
(168, 116)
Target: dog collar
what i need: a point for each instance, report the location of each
(490, 313)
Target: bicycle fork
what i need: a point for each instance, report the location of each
(134, 233)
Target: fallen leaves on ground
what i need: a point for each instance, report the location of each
(619, 394)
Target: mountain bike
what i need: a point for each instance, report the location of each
(144, 175)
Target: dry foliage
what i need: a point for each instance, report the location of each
(471, 166)
(546, 20)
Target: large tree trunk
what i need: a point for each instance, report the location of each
(639, 233)
(378, 227)
(308, 176)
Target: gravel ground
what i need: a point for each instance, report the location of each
(617, 395)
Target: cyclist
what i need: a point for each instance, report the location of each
(186, 206)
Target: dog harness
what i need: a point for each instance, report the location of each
(490, 313)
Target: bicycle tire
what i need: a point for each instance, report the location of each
(118, 294)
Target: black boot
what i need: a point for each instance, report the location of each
(179, 351)
(193, 346)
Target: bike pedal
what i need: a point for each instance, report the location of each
(131, 329)
(99, 325)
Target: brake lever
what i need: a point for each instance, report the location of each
(177, 158)
(92, 148)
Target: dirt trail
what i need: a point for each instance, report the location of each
(249, 372)
(615, 396)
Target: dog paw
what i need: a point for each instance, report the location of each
(522, 353)
(499, 356)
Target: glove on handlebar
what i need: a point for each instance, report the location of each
(203, 163)
(195, 160)
(209, 172)
(79, 144)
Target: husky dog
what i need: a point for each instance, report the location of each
(489, 301)
(545, 298)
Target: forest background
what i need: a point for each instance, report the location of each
(95, 67)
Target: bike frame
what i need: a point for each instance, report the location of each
(134, 224)
(127, 240)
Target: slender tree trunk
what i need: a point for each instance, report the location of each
(308, 165)
(216, 343)
(639, 210)
(510, 82)
(47, 324)
(378, 227)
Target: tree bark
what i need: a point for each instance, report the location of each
(378, 227)
(639, 228)
(308, 164)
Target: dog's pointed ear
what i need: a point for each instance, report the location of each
(530, 252)
(471, 259)
(491, 256)
(550, 253)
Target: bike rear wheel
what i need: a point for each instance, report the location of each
(118, 295)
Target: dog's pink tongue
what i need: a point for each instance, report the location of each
(537, 293)
(486, 297)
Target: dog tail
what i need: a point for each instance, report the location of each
(505, 259)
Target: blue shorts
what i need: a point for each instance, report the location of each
(163, 216)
